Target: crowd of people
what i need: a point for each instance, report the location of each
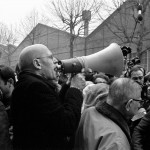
(43, 109)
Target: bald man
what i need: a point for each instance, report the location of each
(105, 126)
(40, 120)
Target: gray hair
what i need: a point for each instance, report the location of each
(121, 90)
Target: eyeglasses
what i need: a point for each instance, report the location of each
(140, 101)
(136, 78)
(54, 59)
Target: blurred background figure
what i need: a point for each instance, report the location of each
(100, 78)
(5, 141)
(146, 91)
(141, 134)
(88, 73)
(7, 84)
(137, 74)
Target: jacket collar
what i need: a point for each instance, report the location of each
(113, 114)
(27, 72)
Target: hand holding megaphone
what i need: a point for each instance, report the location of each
(78, 81)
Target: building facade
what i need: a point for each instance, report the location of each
(121, 27)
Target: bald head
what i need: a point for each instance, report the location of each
(29, 53)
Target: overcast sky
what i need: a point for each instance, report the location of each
(12, 11)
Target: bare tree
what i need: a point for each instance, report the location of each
(27, 25)
(68, 15)
(8, 39)
(127, 27)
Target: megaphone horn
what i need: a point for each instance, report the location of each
(109, 60)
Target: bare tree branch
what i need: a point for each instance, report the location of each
(29, 23)
(69, 14)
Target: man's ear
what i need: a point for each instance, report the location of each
(128, 105)
(37, 63)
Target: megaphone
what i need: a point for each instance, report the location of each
(109, 60)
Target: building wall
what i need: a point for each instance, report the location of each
(116, 27)
(56, 40)
(113, 29)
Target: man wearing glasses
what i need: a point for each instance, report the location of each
(137, 73)
(40, 121)
(105, 126)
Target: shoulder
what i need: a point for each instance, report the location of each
(101, 131)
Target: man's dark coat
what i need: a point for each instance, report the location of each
(40, 120)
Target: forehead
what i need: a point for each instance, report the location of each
(137, 73)
(46, 52)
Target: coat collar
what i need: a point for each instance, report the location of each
(27, 72)
(113, 114)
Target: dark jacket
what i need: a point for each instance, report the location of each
(5, 143)
(40, 121)
(141, 134)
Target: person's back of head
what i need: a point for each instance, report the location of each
(7, 73)
(7, 83)
(95, 94)
(123, 93)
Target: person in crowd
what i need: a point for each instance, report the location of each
(111, 78)
(100, 78)
(136, 119)
(140, 67)
(7, 84)
(40, 120)
(105, 126)
(141, 134)
(88, 73)
(137, 74)
(146, 88)
(5, 142)
(94, 94)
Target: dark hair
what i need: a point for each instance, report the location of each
(6, 73)
(88, 73)
(101, 75)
